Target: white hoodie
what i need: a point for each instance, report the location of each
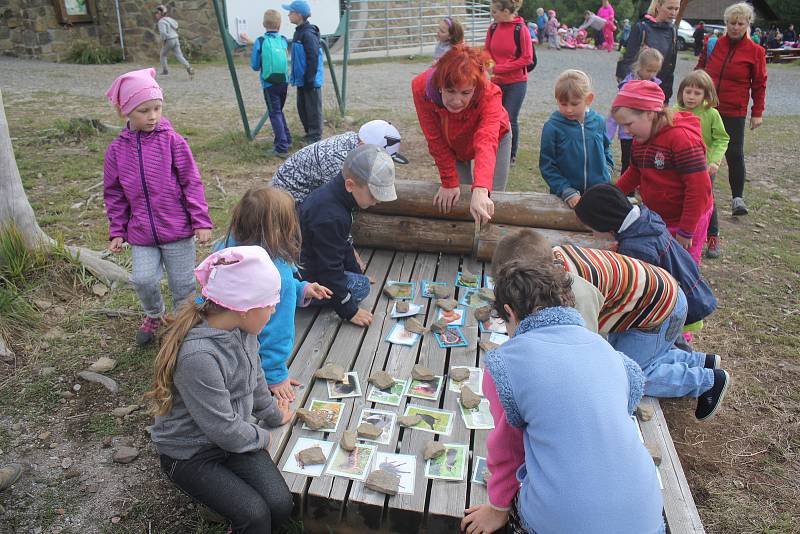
(168, 28)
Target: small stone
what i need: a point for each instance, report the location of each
(486, 294)
(383, 481)
(53, 334)
(46, 371)
(644, 413)
(125, 455)
(53, 445)
(420, 372)
(440, 325)
(459, 374)
(381, 380)
(655, 453)
(409, 420)
(76, 388)
(447, 304)
(402, 306)
(487, 345)
(116, 519)
(311, 456)
(66, 463)
(314, 420)
(99, 289)
(413, 325)
(330, 371)
(107, 442)
(433, 449)
(483, 313)
(369, 431)
(348, 441)
(44, 436)
(71, 473)
(109, 383)
(103, 365)
(441, 291)
(43, 305)
(16, 427)
(125, 410)
(738, 484)
(468, 278)
(469, 399)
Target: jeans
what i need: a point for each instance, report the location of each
(309, 108)
(553, 41)
(735, 154)
(178, 258)
(275, 97)
(668, 370)
(513, 96)
(245, 488)
(173, 45)
(501, 166)
(357, 284)
(626, 145)
(713, 222)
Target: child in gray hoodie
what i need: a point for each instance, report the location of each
(168, 33)
(209, 381)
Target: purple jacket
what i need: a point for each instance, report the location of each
(152, 188)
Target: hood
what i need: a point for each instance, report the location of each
(215, 335)
(653, 23)
(172, 22)
(163, 126)
(588, 120)
(648, 224)
(684, 120)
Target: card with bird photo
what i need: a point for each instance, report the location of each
(467, 280)
(381, 419)
(433, 420)
(425, 389)
(449, 466)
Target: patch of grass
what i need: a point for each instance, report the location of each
(86, 52)
(102, 425)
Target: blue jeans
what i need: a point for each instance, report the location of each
(668, 370)
(513, 96)
(358, 286)
(275, 97)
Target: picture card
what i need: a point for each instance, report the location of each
(498, 339)
(478, 418)
(461, 283)
(405, 289)
(449, 466)
(330, 410)
(428, 390)
(400, 336)
(341, 390)
(473, 299)
(413, 309)
(455, 317)
(479, 470)
(488, 281)
(401, 465)
(383, 420)
(391, 396)
(425, 288)
(452, 337)
(292, 465)
(493, 325)
(433, 420)
(475, 380)
(353, 464)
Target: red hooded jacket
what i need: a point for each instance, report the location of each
(671, 174)
(501, 45)
(739, 70)
(470, 135)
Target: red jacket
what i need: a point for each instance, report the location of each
(739, 71)
(671, 174)
(470, 135)
(508, 68)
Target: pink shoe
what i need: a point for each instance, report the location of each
(147, 332)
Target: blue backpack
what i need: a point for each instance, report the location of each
(274, 64)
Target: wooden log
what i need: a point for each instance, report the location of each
(537, 210)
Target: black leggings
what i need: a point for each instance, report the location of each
(713, 223)
(735, 154)
(626, 145)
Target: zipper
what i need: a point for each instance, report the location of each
(728, 57)
(585, 159)
(144, 188)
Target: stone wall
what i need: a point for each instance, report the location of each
(32, 29)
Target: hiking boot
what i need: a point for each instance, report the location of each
(708, 403)
(9, 475)
(738, 207)
(190, 70)
(164, 72)
(713, 361)
(712, 251)
(275, 154)
(147, 332)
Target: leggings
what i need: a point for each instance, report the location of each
(626, 145)
(501, 166)
(735, 154)
(713, 223)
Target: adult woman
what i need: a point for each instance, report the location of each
(606, 11)
(739, 69)
(462, 117)
(655, 30)
(510, 71)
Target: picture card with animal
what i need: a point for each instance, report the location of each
(449, 466)
(391, 396)
(432, 420)
(452, 337)
(493, 325)
(330, 410)
(351, 387)
(425, 389)
(478, 418)
(413, 309)
(425, 288)
(293, 465)
(404, 290)
(353, 464)
(400, 336)
(488, 281)
(401, 465)
(463, 280)
(475, 381)
(479, 470)
(473, 299)
(455, 317)
(381, 419)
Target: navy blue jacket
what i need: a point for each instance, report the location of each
(647, 239)
(307, 68)
(326, 217)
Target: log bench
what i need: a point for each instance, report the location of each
(782, 55)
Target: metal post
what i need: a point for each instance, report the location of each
(119, 26)
(223, 33)
(346, 56)
(421, 38)
(386, 25)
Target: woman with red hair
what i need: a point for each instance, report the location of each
(462, 117)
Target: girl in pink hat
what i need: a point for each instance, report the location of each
(208, 381)
(154, 197)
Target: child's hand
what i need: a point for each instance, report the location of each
(483, 519)
(319, 292)
(243, 37)
(285, 390)
(573, 201)
(203, 235)
(361, 318)
(288, 413)
(713, 168)
(686, 242)
(116, 245)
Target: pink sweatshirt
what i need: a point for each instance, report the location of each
(506, 451)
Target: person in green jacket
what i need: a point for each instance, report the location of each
(697, 94)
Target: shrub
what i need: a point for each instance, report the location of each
(93, 53)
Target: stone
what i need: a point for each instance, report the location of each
(43, 305)
(99, 289)
(644, 413)
(348, 441)
(459, 374)
(369, 431)
(402, 306)
(433, 449)
(109, 383)
(383, 481)
(44, 436)
(125, 410)
(392, 291)
(16, 427)
(76, 388)
(441, 292)
(71, 473)
(486, 294)
(469, 399)
(46, 371)
(311, 456)
(409, 420)
(655, 453)
(483, 313)
(125, 455)
(487, 345)
(330, 371)
(413, 325)
(440, 325)
(66, 463)
(103, 365)
(381, 380)
(447, 304)
(468, 278)
(420, 372)
(314, 420)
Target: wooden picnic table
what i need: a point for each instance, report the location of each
(782, 55)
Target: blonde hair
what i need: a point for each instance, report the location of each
(572, 83)
(701, 80)
(540, 11)
(654, 5)
(272, 20)
(512, 6)
(647, 56)
(742, 10)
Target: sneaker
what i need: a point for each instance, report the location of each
(275, 154)
(738, 207)
(713, 361)
(513, 161)
(708, 403)
(712, 251)
(147, 332)
(190, 70)
(164, 72)
(9, 475)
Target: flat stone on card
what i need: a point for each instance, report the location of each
(391, 290)
(447, 304)
(413, 325)
(486, 294)
(409, 420)
(348, 441)
(459, 374)
(314, 420)
(311, 456)
(330, 371)
(420, 372)
(381, 379)
(433, 449)
(440, 325)
(467, 277)
(483, 313)
(441, 291)
(369, 431)
(644, 413)
(402, 306)
(383, 481)
(469, 399)
(487, 345)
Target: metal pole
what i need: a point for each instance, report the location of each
(421, 39)
(346, 56)
(386, 25)
(119, 25)
(223, 33)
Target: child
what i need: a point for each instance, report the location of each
(668, 162)
(208, 382)
(307, 70)
(563, 441)
(711, 43)
(154, 197)
(552, 30)
(626, 32)
(266, 217)
(541, 24)
(697, 94)
(575, 152)
(327, 254)
(448, 34)
(646, 66)
(168, 32)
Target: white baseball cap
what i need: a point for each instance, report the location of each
(384, 135)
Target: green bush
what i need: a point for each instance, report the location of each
(93, 53)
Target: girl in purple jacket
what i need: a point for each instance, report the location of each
(154, 197)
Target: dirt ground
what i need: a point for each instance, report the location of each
(742, 466)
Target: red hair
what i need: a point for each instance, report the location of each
(461, 66)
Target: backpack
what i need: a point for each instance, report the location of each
(517, 30)
(274, 64)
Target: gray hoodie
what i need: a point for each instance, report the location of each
(218, 384)
(168, 28)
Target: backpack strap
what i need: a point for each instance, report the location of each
(517, 30)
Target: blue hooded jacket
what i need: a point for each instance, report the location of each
(575, 156)
(307, 69)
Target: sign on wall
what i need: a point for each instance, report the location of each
(246, 16)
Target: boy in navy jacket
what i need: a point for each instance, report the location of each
(307, 69)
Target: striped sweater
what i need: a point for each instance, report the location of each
(638, 295)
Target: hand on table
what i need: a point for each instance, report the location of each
(361, 318)
(285, 390)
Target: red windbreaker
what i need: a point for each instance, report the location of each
(470, 135)
(739, 71)
(508, 68)
(671, 174)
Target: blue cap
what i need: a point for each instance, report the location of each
(300, 7)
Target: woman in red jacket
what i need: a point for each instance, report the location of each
(739, 69)
(462, 117)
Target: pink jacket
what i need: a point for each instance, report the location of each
(152, 188)
(506, 451)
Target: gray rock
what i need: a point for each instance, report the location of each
(348, 441)
(483, 313)
(16, 427)
(459, 374)
(369, 431)
(381, 380)
(330, 371)
(486, 294)
(393, 291)
(383, 481)
(440, 325)
(420, 372)
(441, 292)
(109, 383)
(447, 304)
(469, 399)
(467, 277)
(433, 449)
(487, 345)
(413, 325)
(103, 365)
(409, 420)
(402, 306)
(311, 456)
(644, 413)
(314, 420)
(125, 410)
(125, 455)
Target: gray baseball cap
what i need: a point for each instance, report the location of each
(373, 165)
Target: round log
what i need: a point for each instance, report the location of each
(491, 235)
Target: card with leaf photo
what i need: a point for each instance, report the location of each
(404, 290)
(475, 381)
(473, 299)
(425, 288)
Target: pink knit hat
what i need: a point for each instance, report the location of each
(133, 88)
(240, 278)
(640, 94)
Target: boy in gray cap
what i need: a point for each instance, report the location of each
(326, 217)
